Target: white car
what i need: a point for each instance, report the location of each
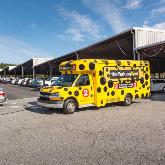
(50, 81)
(20, 81)
(158, 85)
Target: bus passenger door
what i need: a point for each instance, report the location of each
(85, 88)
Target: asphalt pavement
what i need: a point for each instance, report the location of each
(32, 135)
(18, 92)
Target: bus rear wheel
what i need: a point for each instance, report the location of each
(70, 106)
(127, 100)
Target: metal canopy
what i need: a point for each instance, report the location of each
(7, 70)
(28, 67)
(155, 54)
(124, 45)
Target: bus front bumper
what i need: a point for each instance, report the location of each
(50, 104)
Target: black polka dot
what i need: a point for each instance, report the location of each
(128, 62)
(101, 101)
(110, 83)
(98, 89)
(108, 94)
(142, 96)
(65, 89)
(143, 85)
(95, 61)
(146, 94)
(148, 88)
(100, 73)
(102, 81)
(136, 91)
(147, 69)
(108, 75)
(80, 88)
(134, 65)
(105, 89)
(146, 83)
(69, 92)
(107, 70)
(118, 62)
(146, 76)
(76, 93)
(91, 66)
(106, 62)
(113, 93)
(122, 92)
(136, 96)
(141, 80)
(81, 67)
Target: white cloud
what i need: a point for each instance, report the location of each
(110, 13)
(80, 26)
(15, 51)
(160, 25)
(134, 4)
(158, 11)
(76, 34)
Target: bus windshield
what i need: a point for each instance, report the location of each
(65, 80)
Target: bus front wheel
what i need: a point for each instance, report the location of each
(70, 106)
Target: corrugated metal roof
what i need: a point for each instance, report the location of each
(144, 37)
(151, 45)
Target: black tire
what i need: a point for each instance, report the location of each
(127, 100)
(163, 90)
(70, 106)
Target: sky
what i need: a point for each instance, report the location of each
(51, 28)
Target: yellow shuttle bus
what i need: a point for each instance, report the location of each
(88, 82)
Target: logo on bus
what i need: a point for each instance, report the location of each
(85, 92)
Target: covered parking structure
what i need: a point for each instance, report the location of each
(125, 45)
(6, 71)
(28, 69)
(155, 54)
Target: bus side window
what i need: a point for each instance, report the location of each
(83, 80)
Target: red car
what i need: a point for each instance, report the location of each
(2, 96)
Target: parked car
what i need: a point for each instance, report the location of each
(16, 81)
(6, 80)
(13, 81)
(36, 83)
(19, 81)
(50, 81)
(158, 85)
(2, 96)
(25, 81)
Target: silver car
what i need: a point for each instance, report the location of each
(2, 96)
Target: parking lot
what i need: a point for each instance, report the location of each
(109, 135)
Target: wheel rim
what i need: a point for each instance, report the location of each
(71, 107)
(128, 100)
